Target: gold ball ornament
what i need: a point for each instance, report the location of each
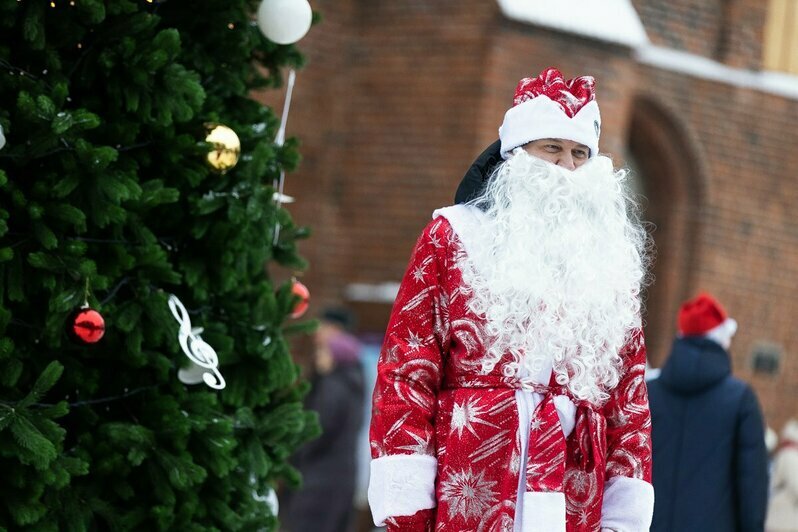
(225, 147)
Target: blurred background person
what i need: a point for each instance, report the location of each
(327, 464)
(710, 461)
(783, 507)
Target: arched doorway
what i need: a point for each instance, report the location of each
(669, 174)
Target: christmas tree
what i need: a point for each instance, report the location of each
(112, 198)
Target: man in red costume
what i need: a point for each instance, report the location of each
(510, 392)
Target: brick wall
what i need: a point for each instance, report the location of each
(729, 31)
(399, 97)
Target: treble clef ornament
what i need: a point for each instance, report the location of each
(205, 361)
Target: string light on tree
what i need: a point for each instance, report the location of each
(225, 147)
(284, 21)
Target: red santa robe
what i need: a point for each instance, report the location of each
(456, 449)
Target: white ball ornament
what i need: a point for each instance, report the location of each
(284, 21)
(2, 138)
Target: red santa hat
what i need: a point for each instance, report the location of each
(549, 106)
(704, 316)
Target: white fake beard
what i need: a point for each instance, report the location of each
(556, 270)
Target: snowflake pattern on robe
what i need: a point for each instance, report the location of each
(432, 398)
(468, 494)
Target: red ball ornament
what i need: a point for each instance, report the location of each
(300, 290)
(87, 326)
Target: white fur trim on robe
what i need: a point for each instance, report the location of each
(463, 219)
(628, 505)
(401, 485)
(543, 512)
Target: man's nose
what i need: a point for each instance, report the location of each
(566, 160)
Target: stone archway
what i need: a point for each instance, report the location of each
(671, 182)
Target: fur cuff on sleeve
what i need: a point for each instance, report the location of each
(628, 505)
(401, 485)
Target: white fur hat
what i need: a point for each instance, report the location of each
(550, 107)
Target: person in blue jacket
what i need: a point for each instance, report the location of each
(709, 458)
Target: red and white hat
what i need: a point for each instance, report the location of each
(549, 106)
(704, 316)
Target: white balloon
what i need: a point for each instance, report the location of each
(2, 138)
(284, 21)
